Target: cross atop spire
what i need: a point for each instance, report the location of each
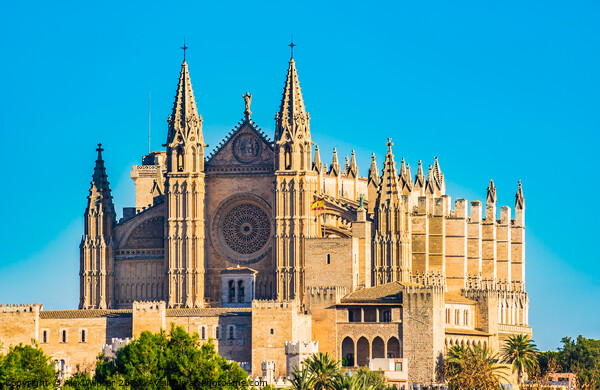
(291, 45)
(100, 150)
(184, 48)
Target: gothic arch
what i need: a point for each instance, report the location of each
(347, 351)
(393, 348)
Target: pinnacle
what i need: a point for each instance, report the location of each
(184, 107)
(519, 198)
(292, 103)
(491, 193)
(317, 161)
(373, 171)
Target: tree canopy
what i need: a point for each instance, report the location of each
(472, 368)
(176, 361)
(26, 366)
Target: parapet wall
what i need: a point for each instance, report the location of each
(148, 315)
(19, 324)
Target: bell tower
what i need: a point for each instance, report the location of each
(96, 248)
(294, 188)
(184, 198)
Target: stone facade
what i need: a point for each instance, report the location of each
(260, 243)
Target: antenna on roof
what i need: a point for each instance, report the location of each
(149, 117)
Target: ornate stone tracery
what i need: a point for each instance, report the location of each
(241, 228)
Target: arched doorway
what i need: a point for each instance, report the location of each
(362, 352)
(348, 352)
(378, 348)
(393, 349)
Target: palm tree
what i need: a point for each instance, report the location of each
(472, 368)
(302, 379)
(351, 382)
(324, 370)
(520, 351)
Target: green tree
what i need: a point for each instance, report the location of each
(521, 352)
(472, 368)
(582, 358)
(302, 378)
(177, 361)
(352, 382)
(372, 379)
(26, 366)
(324, 369)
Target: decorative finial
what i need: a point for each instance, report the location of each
(291, 45)
(184, 48)
(247, 100)
(99, 149)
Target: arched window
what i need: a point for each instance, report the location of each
(456, 317)
(287, 157)
(328, 258)
(231, 291)
(447, 316)
(302, 157)
(231, 333)
(241, 296)
(466, 318)
(271, 330)
(45, 336)
(63, 337)
(179, 160)
(217, 333)
(83, 336)
(203, 333)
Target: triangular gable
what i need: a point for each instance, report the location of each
(245, 147)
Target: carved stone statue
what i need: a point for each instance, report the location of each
(247, 99)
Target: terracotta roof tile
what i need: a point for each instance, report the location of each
(91, 313)
(210, 312)
(457, 298)
(389, 292)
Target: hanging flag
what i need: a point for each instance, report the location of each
(318, 205)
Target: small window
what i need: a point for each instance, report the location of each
(328, 258)
(387, 316)
(466, 318)
(83, 340)
(350, 315)
(231, 333)
(457, 317)
(447, 316)
(231, 291)
(217, 333)
(398, 366)
(271, 330)
(203, 333)
(45, 336)
(241, 296)
(63, 336)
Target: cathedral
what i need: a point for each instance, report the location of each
(275, 254)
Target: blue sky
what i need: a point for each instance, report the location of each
(497, 90)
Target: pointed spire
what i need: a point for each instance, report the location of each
(389, 179)
(292, 116)
(335, 165)
(184, 118)
(346, 166)
(317, 166)
(373, 171)
(100, 187)
(430, 184)
(519, 198)
(406, 183)
(491, 193)
(409, 176)
(420, 177)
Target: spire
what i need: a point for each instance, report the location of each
(419, 177)
(346, 166)
(100, 178)
(335, 165)
(389, 179)
(184, 118)
(373, 171)
(491, 193)
(100, 194)
(292, 117)
(519, 198)
(430, 184)
(317, 166)
(409, 176)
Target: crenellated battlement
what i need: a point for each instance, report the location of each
(21, 308)
(301, 347)
(431, 278)
(149, 305)
(273, 304)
